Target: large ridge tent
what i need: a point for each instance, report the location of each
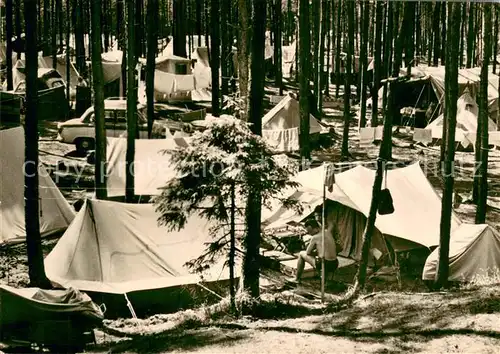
(119, 249)
(415, 222)
(474, 252)
(467, 118)
(152, 167)
(281, 125)
(55, 212)
(468, 78)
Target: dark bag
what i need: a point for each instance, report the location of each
(385, 203)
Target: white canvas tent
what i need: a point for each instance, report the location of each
(415, 222)
(467, 117)
(117, 248)
(474, 252)
(152, 168)
(55, 212)
(281, 125)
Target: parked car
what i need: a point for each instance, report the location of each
(52, 101)
(81, 131)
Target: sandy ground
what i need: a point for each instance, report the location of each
(386, 322)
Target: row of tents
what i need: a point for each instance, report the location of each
(116, 249)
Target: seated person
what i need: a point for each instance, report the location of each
(312, 254)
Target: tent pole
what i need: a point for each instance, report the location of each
(129, 305)
(210, 291)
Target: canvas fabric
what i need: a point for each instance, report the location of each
(117, 248)
(474, 252)
(55, 212)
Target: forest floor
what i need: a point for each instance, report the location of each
(399, 315)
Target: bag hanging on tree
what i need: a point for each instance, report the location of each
(385, 203)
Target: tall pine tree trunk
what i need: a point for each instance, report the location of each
(98, 82)
(251, 268)
(483, 117)
(348, 78)
(462, 34)
(244, 11)
(152, 20)
(377, 68)
(450, 113)
(304, 85)
(278, 67)
(316, 23)
(470, 35)
(320, 50)
(54, 26)
(68, 57)
(17, 10)
(495, 38)
(443, 32)
(36, 268)
(179, 13)
(46, 27)
(131, 104)
(225, 46)
(215, 56)
(364, 63)
(9, 33)
(436, 34)
(338, 48)
(377, 186)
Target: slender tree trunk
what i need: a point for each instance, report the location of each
(46, 27)
(364, 63)
(215, 56)
(278, 67)
(54, 36)
(450, 113)
(430, 33)
(17, 10)
(418, 31)
(348, 78)
(225, 45)
(436, 34)
(316, 23)
(443, 32)
(9, 34)
(232, 250)
(372, 214)
(120, 28)
(320, 52)
(399, 40)
(152, 20)
(179, 16)
(338, 48)
(243, 54)
(36, 268)
(79, 39)
(60, 25)
(483, 117)
(328, 25)
(251, 268)
(68, 56)
(138, 29)
(462, 34)
(104, 22)
(388, 51)
(409, 34)
(377, 57)
(304, 85)
(495, 39)
(98, 81)
(470, 35)
(131, 104)
(199, 25)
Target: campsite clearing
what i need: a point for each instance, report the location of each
(464, 321)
